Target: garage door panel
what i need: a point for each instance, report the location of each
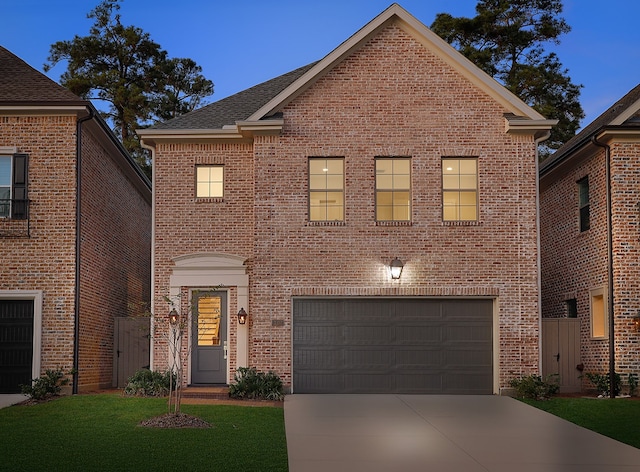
(371, 359)
(379, 334)
(311, 358)
(318, 334)
(407, 345)
(418, 334)
(419, 357)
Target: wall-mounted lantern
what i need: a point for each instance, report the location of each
(395, 267)
(242, 316)
(174, 317)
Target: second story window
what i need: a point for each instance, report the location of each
(326, 189)
(393, 189)
(459, 189)
(209, 182)
(583, 204)
(13, 186)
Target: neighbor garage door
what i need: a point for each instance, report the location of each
(16, 344)
(408, 345)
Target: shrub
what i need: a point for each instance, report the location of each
(601, 382)
(147, 383)
(535, 387)
(251, 384)
(48, 385)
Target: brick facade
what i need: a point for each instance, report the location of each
(392, 96)
(575, 263)
(115, 241)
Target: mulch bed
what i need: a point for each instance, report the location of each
(175, 420)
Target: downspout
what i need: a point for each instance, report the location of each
(76, 333)
(612, 349)
(152, 149)
(538, 140)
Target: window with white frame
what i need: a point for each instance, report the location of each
(210, 181)
(459, 189)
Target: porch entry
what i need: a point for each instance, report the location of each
(209, 338)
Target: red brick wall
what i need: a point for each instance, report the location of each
(186, 226)
(115, 243)
(574, 263)
(115, 258)
(391, 98)
(46, 260)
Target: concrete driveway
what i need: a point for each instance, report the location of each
(440, 433)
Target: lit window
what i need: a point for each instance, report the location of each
(209, 181)
(326, 189)
(598, 314)
(459, 189)
(393, 189)
(583, 203)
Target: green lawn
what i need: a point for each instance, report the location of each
(100, 433)
(617, 418)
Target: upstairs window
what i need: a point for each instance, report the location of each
(393, 189)
(459, 189)
(209, 182)
(326, 189)
(583, 204)
(13, 186)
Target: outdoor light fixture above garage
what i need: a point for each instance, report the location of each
(242, 316)
(395, 267)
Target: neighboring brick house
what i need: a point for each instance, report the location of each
(75, 232)
(291, 199)
(581, 227)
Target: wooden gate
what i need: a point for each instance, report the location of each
(130, 348)
(561, 352)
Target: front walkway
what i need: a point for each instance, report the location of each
(377, 433)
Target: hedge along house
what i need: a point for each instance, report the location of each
(75, 232)
(590, 220)
(297, 200)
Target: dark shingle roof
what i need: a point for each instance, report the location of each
(236, 107)
(22, 84)
(593, 128)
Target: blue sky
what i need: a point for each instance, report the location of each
(239, 44)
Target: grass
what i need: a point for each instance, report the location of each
(616, 418)
(100, 433)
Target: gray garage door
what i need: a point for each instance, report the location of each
(16, 344)
(408, 345)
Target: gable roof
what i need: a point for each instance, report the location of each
(255, 109)
(21, 84)
(617, 116)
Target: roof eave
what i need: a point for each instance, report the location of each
(523, 126)
(241, 131)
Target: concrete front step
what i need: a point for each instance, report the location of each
(209, 393)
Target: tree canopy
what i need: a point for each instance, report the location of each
(122, 66)
(507, 40)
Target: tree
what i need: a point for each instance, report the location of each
(506, 39)
(122, 66)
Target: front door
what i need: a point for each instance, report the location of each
(209, 342)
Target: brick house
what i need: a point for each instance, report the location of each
(75, 232)
(589, 217)
(297, 199)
